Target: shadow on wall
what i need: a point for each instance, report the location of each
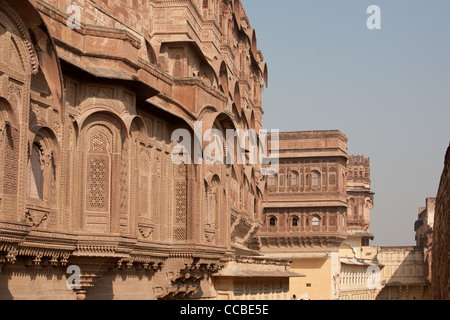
(404, 274)
(5, 294)
(102, 289)
(129, 284)
(43, 282)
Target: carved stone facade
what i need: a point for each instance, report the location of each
(360, 197)
(318, 215)
(86, 171)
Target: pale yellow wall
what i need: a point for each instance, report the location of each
(318, 274)
(403, 273)
(346, 251)
(351, 248)
(404, 293)
(224, 288)
(229, 288)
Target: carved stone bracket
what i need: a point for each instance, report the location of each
(242, 227)
(148, 263)
(146, 230)
(11, 257)
(209, 236)
(187, 282)
(54, 261)
(64, 259)
(36, 217)
(251, 233)
(37, 260)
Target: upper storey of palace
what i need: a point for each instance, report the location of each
(312, 170)
(201, 53)
(313, 144)
(359, 173)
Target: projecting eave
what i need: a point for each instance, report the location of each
(289, 154)
(298, 255)
(304, 204)
(357, 262)
(248, 273)
(314, 134)
(361, 234)
(144, 91)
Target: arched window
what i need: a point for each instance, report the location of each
(294, 179)
(295, 222)
(315, 177)
(333, 176)
(98, 173)
(212, 196)
(315, 221)
(281, 180)
(273, 222)
(206, 199)
(144, 186)
(37, 173)
(42, 171)
(103, 147)
(351, 207)
(272, 181)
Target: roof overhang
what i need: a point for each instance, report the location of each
(143, 90)
(361, 234)
(299, 255)
(357, 262)
(248, 273)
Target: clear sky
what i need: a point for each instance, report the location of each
(387, 90)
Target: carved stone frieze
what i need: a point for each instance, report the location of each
(79, 193)
(185, 280)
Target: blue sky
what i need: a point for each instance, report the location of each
(388, 90)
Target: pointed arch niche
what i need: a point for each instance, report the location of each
(102, 140)
(42, 178)
(212, 195)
